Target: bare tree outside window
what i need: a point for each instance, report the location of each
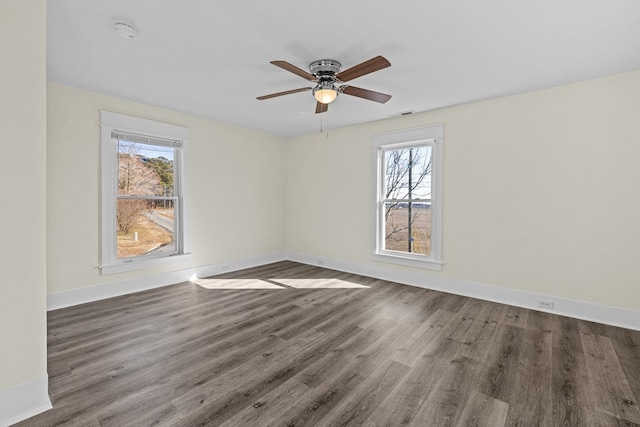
(407, 199)
(128, 212)
(145, 203)
(135, 177)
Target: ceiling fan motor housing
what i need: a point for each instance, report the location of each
(325, 69)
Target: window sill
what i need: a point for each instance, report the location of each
(407, 260)
(141, 264)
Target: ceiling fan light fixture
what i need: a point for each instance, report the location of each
(327, 73)
(325, 92)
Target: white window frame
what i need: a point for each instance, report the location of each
(432, 135)
(114, 122)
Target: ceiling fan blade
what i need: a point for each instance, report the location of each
(321, 108)
(295, 70)
(286, 92)
(366, 67)
(366, 94)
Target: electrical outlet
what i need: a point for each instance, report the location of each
(546, 304)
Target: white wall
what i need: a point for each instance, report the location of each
(23, 206)
(23, 342)
(237, 189)
(540, 192)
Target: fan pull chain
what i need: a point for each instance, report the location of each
(327, 113)
(322, 122)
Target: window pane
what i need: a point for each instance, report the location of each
(408, 173)
(408, 227)
(145, 227)
(145, 169)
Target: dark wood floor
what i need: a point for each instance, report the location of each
(307, 352)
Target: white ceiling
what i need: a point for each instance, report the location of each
(211, 58)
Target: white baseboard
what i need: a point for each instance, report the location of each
(86, 294)
(609, 315)
(615, 316)
(23, 401)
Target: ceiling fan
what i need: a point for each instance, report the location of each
(326, 73)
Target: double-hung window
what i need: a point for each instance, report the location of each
(407, 189)
(143, 192)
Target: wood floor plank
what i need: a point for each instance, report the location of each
(516, 316)
(625, 342)
(331, 348)
(566, 334)
(313, 407)
(540, 321)
(500, 369)
(272, 405)
(482, 410)
(443, 405)
(230, 393)
(402, 406)
(366, 396)
(606, 373)
(482, 331)
(532, 395)
(262, 366)
(335, 360)
(631, 370)
(466, 318)
(571, 385)
(424, 337)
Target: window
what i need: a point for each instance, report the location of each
(407, 166)
(143, 192)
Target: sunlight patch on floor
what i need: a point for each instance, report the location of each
(320, 284)
(235, 284)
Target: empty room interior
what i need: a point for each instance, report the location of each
(347, 213)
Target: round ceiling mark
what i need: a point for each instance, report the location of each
(125, 29)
